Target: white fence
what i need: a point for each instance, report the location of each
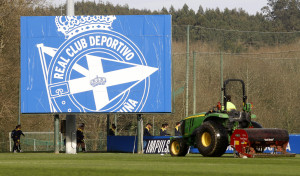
(37, 141)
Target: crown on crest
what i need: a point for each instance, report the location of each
(73, 25)
(98, 81)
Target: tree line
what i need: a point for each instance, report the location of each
(232, 30)
(212, 25)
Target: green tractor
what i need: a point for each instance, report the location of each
(211, 131)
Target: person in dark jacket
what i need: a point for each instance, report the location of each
(80, 137)
(16, 136)
(147, 129)
(112, 130)
(177, 132)
(163, 130)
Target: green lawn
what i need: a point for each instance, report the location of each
(39, 164)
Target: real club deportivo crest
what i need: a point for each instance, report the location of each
(96, 69)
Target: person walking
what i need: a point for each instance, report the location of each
(16, 136)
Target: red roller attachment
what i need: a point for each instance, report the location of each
(251, 142)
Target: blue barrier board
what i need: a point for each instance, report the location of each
(293, 146)
(96, 64)
(160, 144)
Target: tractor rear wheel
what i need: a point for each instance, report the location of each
(212, 139)
(178, 147)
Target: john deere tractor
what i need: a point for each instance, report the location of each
(212, 132)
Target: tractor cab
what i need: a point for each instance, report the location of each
(237, 119)
(226, 97)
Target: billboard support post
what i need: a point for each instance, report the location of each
(70, 8)
(70, 119)
(140, 134)
(56, 133)
(71, 134)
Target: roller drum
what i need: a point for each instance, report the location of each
(267, 135)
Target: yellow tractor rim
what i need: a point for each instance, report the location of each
(175, 147)
(206, 139)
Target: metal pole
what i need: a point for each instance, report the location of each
(116, 121)
(173, 93)
(194, 82)
(187, 71)
(9, 137)
(140, 134)
(61, 141)
(247, 81)
(221, 76)
(34, 147)
(56, 133)
(70, 119)
(19, 117)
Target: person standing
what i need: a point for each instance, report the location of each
(177, 132)
(147, 129)
(16, 136)
(163, 130)
(80, 137)
(112, 130)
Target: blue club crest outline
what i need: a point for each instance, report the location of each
(60, 97)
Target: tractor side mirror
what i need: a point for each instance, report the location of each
(248, 107)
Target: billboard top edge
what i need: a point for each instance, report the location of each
(100, 113)
(154, 15)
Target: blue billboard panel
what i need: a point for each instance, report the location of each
(96, 64)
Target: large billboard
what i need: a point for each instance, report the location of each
(96, 64)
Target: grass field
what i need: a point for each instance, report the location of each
(39, 164)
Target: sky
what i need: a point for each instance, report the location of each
(250, 6)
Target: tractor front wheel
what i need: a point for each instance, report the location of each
(212, 139)
(178, 147)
